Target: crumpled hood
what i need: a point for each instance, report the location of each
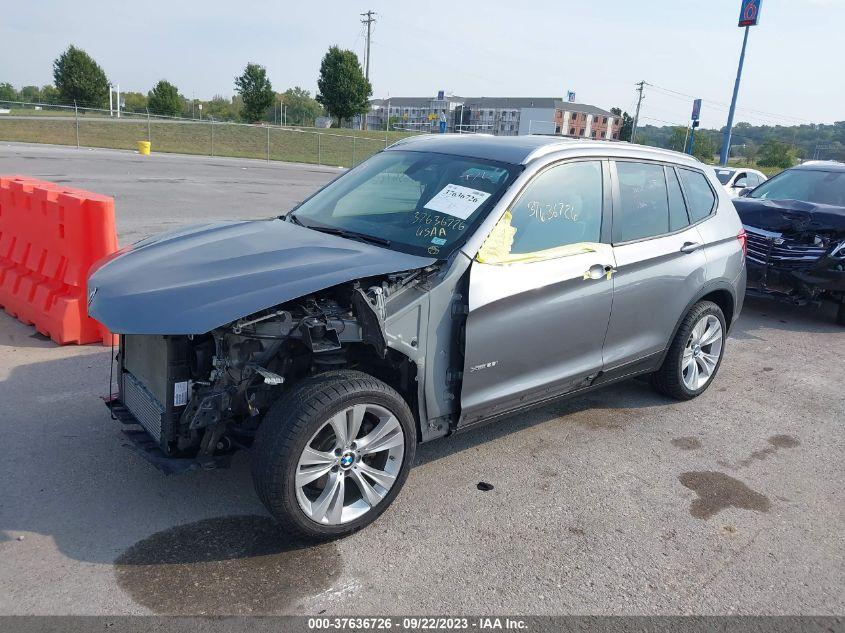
(192, 280)
(787, 216)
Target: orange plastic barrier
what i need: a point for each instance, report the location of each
(49, 237)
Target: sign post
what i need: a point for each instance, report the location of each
(749, 15)
(696, 116)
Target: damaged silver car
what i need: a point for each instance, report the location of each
(445, 282)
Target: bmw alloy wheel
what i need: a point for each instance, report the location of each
(702, 352)
(350, 464)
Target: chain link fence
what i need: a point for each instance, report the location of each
(90, 127)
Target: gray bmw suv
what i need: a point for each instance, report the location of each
(445, 282)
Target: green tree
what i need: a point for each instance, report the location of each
(219, 108)
(80, 79)
(627, 124)
(31, 94)
(343, 89)
(164, 99)
(134, 101)
(301, 107)
(678, 138)
(256, 91)
(704, 147)
(49, 94)
(8, 92)
(775, 154)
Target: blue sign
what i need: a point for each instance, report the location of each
(749, 13)
(441, 94)
(696, 110)
(570, 96)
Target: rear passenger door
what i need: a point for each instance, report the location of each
(660, 263)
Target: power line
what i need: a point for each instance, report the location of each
(724, 106)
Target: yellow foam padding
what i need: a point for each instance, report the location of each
(497, 247)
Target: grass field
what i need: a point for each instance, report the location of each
(338, 147)
(740, 163)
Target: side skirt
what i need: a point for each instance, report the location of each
(636, 368)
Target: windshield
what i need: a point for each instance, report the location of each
(820, 187)
(420, 202)
(724, 175)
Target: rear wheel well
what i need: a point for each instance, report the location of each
(724, 299)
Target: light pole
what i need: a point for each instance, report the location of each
(749, 15)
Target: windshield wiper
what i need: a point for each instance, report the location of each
(352, 235)
(290, 217)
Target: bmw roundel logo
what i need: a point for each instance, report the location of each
(347, 460)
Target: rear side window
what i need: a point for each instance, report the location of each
(561, 206)
(700, 197)
(677, 209)
(644, 209)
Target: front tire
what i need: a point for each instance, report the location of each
(840, 313)
(695, 354)
(333, 453)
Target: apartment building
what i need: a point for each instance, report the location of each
(502, 116)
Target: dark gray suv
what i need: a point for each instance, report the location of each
(445, 282)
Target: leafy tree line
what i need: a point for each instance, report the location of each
(78, 79)
(765, 145)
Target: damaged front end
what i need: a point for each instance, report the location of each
(199, 398)
(796, 250)
(216, 321)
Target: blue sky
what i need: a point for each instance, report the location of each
(532, 48)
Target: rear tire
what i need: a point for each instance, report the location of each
(332, 454)
(840, 314)
(695, 354)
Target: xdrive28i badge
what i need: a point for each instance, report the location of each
(492, 363)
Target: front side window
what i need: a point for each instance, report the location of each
(643, 210)
(561, 206)
(700, 198)
(416, 202)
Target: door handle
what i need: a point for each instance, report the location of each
(597, 271)
(690, 247)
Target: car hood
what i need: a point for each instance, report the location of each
(192, 280)
(790, 216)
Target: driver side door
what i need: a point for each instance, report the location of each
(540, 293)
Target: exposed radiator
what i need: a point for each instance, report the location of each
(143, 405)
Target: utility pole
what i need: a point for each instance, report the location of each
(640, 87)
(369, 18)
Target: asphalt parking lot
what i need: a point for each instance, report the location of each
(619, 502)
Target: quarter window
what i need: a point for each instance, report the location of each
(561, 206)
(643, 210)
(678, 218)
(700, 197)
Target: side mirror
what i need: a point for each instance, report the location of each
(745, 191)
